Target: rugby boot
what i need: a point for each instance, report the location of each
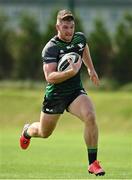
(96, 169)
(24, 142)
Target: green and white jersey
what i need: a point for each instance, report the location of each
(52, 52)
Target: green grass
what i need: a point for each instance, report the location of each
(63, 155)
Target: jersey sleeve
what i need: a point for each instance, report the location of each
(50, 53)
(83, 37)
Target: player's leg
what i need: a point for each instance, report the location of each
(82, 107)
(51, 111)
(43, 128)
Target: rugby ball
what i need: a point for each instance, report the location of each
(63, 63)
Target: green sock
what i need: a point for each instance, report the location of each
(92, 154)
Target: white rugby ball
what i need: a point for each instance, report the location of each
(63, 63)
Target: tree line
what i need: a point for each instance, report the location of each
(20, 48)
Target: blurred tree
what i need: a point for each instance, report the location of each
(27, 49)
(50, 29)
(101, 49)
(123, 53)
(6, 60)
(71, 4)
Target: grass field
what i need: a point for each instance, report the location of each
(63, 155)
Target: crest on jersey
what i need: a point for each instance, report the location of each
(81, 46)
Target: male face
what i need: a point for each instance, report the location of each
(65, 30)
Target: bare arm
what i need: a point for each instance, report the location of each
(53, 76)
(90, 67)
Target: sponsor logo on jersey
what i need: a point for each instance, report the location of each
(70, 47)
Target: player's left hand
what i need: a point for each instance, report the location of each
(94, 77)
(75, 67)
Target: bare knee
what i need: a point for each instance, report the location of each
(36, 132)
(42, 134)
(90, 118)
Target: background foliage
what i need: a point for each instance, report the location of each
(20, 49)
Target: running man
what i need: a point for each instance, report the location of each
(65, 91)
